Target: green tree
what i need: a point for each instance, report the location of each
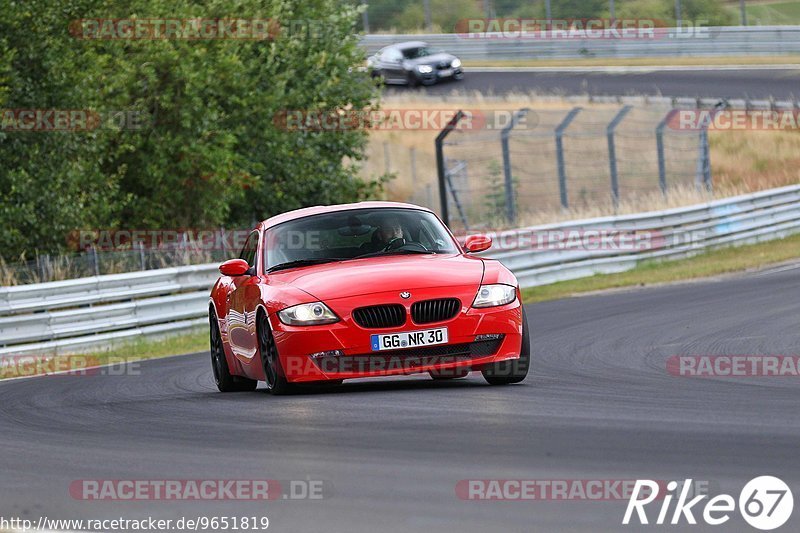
(209, 152)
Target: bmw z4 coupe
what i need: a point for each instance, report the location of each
(324, 294)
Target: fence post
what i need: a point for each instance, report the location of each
(95, 261)
(703, 173)
(706, 159)
(460, 167)
(562, 173)
(511, 208)
(662, 165)
(440, 170)
(612, 152)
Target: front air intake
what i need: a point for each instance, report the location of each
(380, 316)
(429, 311)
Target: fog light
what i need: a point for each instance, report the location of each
(329, 353)
(489, 337)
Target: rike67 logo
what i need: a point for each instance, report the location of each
(765, 503)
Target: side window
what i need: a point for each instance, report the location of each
(392, 55)
(249, 250)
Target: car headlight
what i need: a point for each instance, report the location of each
(456, 63)
(312, 314)
(425, 69)
(494, 295)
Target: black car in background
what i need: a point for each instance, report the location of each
(412, 63)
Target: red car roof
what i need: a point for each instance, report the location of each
(318, 209)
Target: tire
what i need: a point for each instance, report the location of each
(274, 376)
(411, 80)
(513, 370)
(219, 363)
(378, 76)
(450, 373)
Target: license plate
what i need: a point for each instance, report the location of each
(408, 339)
(445, 73)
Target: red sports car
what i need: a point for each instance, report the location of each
(324, 294)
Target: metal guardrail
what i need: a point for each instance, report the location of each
(80, 313)
(72, 315)
(666, 42)
(673, 234)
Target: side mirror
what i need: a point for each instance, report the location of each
(478, 243)
(234, 267)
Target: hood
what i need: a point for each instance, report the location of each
(434, 60)
(357, 277)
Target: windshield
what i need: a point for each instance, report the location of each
(414, 53)
(360, 232)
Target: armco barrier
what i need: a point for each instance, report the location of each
(72, 315)
(668, 42)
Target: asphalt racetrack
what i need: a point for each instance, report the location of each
(599, 405)
(711, 82)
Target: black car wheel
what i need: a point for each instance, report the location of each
(219, 364)
(513, 370)
(378, 76)
(274, 375)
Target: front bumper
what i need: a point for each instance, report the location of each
(357, 360)
(436, 75)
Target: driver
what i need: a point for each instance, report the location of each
(389, 230)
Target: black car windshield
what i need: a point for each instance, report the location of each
(342, 235)
(415, 53)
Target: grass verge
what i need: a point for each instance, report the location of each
(82, 364)
(788, 59)
(713, 263)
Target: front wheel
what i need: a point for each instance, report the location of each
(274, 376)
(219, 363)
(513, 370)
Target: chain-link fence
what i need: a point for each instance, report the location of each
(94, 262)
(545, 161)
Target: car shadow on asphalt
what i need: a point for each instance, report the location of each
(389, 384)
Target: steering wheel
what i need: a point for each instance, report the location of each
(391, 244)
(404, 245)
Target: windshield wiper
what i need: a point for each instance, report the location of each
(302, 263)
